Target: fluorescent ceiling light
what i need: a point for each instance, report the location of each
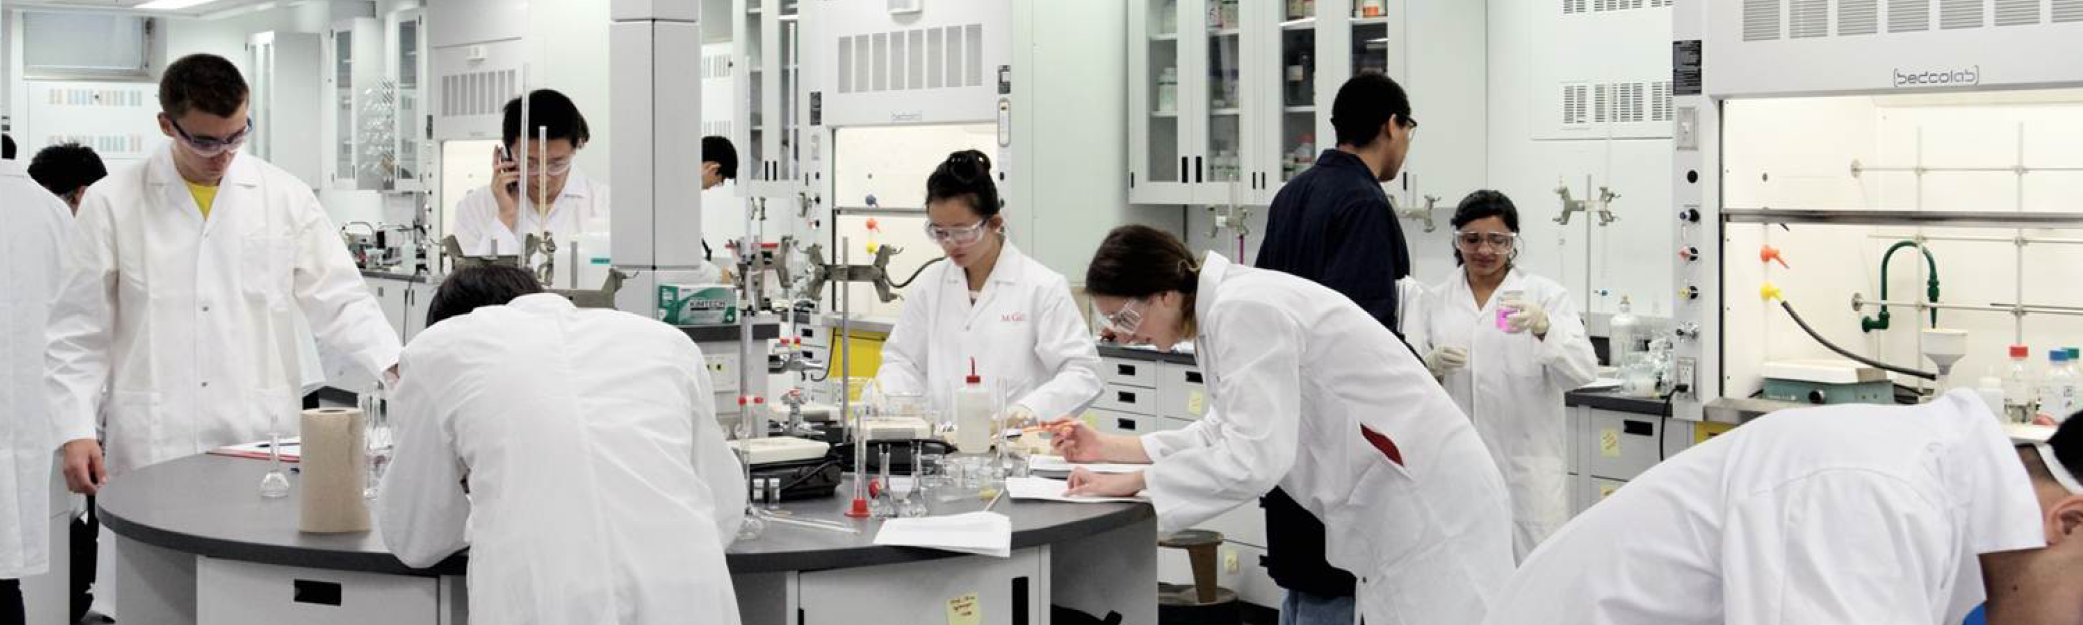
(170, 5)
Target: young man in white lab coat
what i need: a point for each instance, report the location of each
(31, 247)
(496, 219)
(1508, 377)
(1841, 514)
(182, 291)
(991, 305)
(578, 447)
(1312, 394)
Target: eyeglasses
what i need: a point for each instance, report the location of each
(557, 167)
(957, 236)
(210, 147)
(1500, 241)
(1124, 323)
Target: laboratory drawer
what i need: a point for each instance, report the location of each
(1114, 422)
(1597, 489)
(244, 593)
(1181, 393)
(1621, 445)
(1129, 399)
(1240, 568)
(1124, 372)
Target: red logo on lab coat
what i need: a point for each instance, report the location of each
(1013, 317)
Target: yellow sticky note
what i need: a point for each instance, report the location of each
(1606, 490)
(1197, 403)
(965, 610)
(1609, 443)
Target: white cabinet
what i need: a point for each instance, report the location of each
(412, 153)
(1006, 591)
(284, 68)
(768, 125)
(358, 124)
(1228, 99)
(230, 592)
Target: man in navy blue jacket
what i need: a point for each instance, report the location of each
(1333, 224)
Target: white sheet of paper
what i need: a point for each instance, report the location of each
(1052, 490)
(979, 533)
(1059, 465)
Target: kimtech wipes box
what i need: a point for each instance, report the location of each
(697, 304)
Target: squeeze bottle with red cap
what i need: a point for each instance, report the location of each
(975, 407)
(2018, 404)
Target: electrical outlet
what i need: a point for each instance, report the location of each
(1687, 373)
(1231, 563)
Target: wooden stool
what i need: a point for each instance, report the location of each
(1203, 603)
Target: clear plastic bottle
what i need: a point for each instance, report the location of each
(2058, 390)
(975, 408)
(2018, 386)
(1627, 339)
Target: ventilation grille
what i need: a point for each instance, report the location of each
(718, 66)
(104, 144)
(1575, 105)
(1956, 14)
(2068, 10)
(2017, 12)
(911, 60)
(1810, 19)
(1858, 17)
(1616, 103)
(1905, 16)
(1574, 7)
(1760, 20)
(82, 96)
(718, 128)
(478, 93)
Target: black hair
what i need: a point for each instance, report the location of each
(6, 147)
(2067, 443)
(1364, 104)
(719, 150)
(1139, 261)
(1484, 204)
(547, 109)
(965, 174)
(66, 167)
(204, 82)
(482, 285)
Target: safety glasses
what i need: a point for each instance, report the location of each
(553, 168)
(211, 147)
(1500, 241)
(960, 236)
(1124, 323)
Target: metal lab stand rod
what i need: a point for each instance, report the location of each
(2019, 240)
(1859, 303)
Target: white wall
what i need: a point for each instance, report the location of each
(1632, 256)
(1830, 263)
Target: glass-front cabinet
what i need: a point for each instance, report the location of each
(767, 101)
(412, 125)
(1240, 103)
(359, 115)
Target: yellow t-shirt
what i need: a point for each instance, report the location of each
(204, 196)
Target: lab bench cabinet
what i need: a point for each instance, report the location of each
(231, 592)
(1141, 396)
(1229, 99)
(1609, 448)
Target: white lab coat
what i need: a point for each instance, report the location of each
(480, 233)
(1028, 339)
(31, 245)
(1302, 379)
(1512, 388)
(1843, 514)
(189, 326)
(601, 490)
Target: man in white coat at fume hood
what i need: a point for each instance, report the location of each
(579, 448)
(1508, 378)
(990, 304)
(31, 247)
(182, 290)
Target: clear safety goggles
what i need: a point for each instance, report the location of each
(557, 167)
(1500, 241)
(1124, 323)
(210, 147)
(958, 236)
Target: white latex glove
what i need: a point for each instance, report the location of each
(1528, 316)
(1445, 360)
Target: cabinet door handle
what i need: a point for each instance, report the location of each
(1126, 425)
(1197, 170)
(1638, 428)
(1193, 377)
(1126, 370)
(1182, 169)
(315, 592)
(1125, 397)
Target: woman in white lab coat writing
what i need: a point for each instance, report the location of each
(1314, 395)
(1507, 345)
(988, 304)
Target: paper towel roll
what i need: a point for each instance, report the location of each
(334, 468)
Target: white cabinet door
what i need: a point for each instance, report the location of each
(230, 592)
(1159, 120)
(1004, 591)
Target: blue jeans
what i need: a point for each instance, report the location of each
(1301, 608)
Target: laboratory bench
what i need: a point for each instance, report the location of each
(199, 544)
